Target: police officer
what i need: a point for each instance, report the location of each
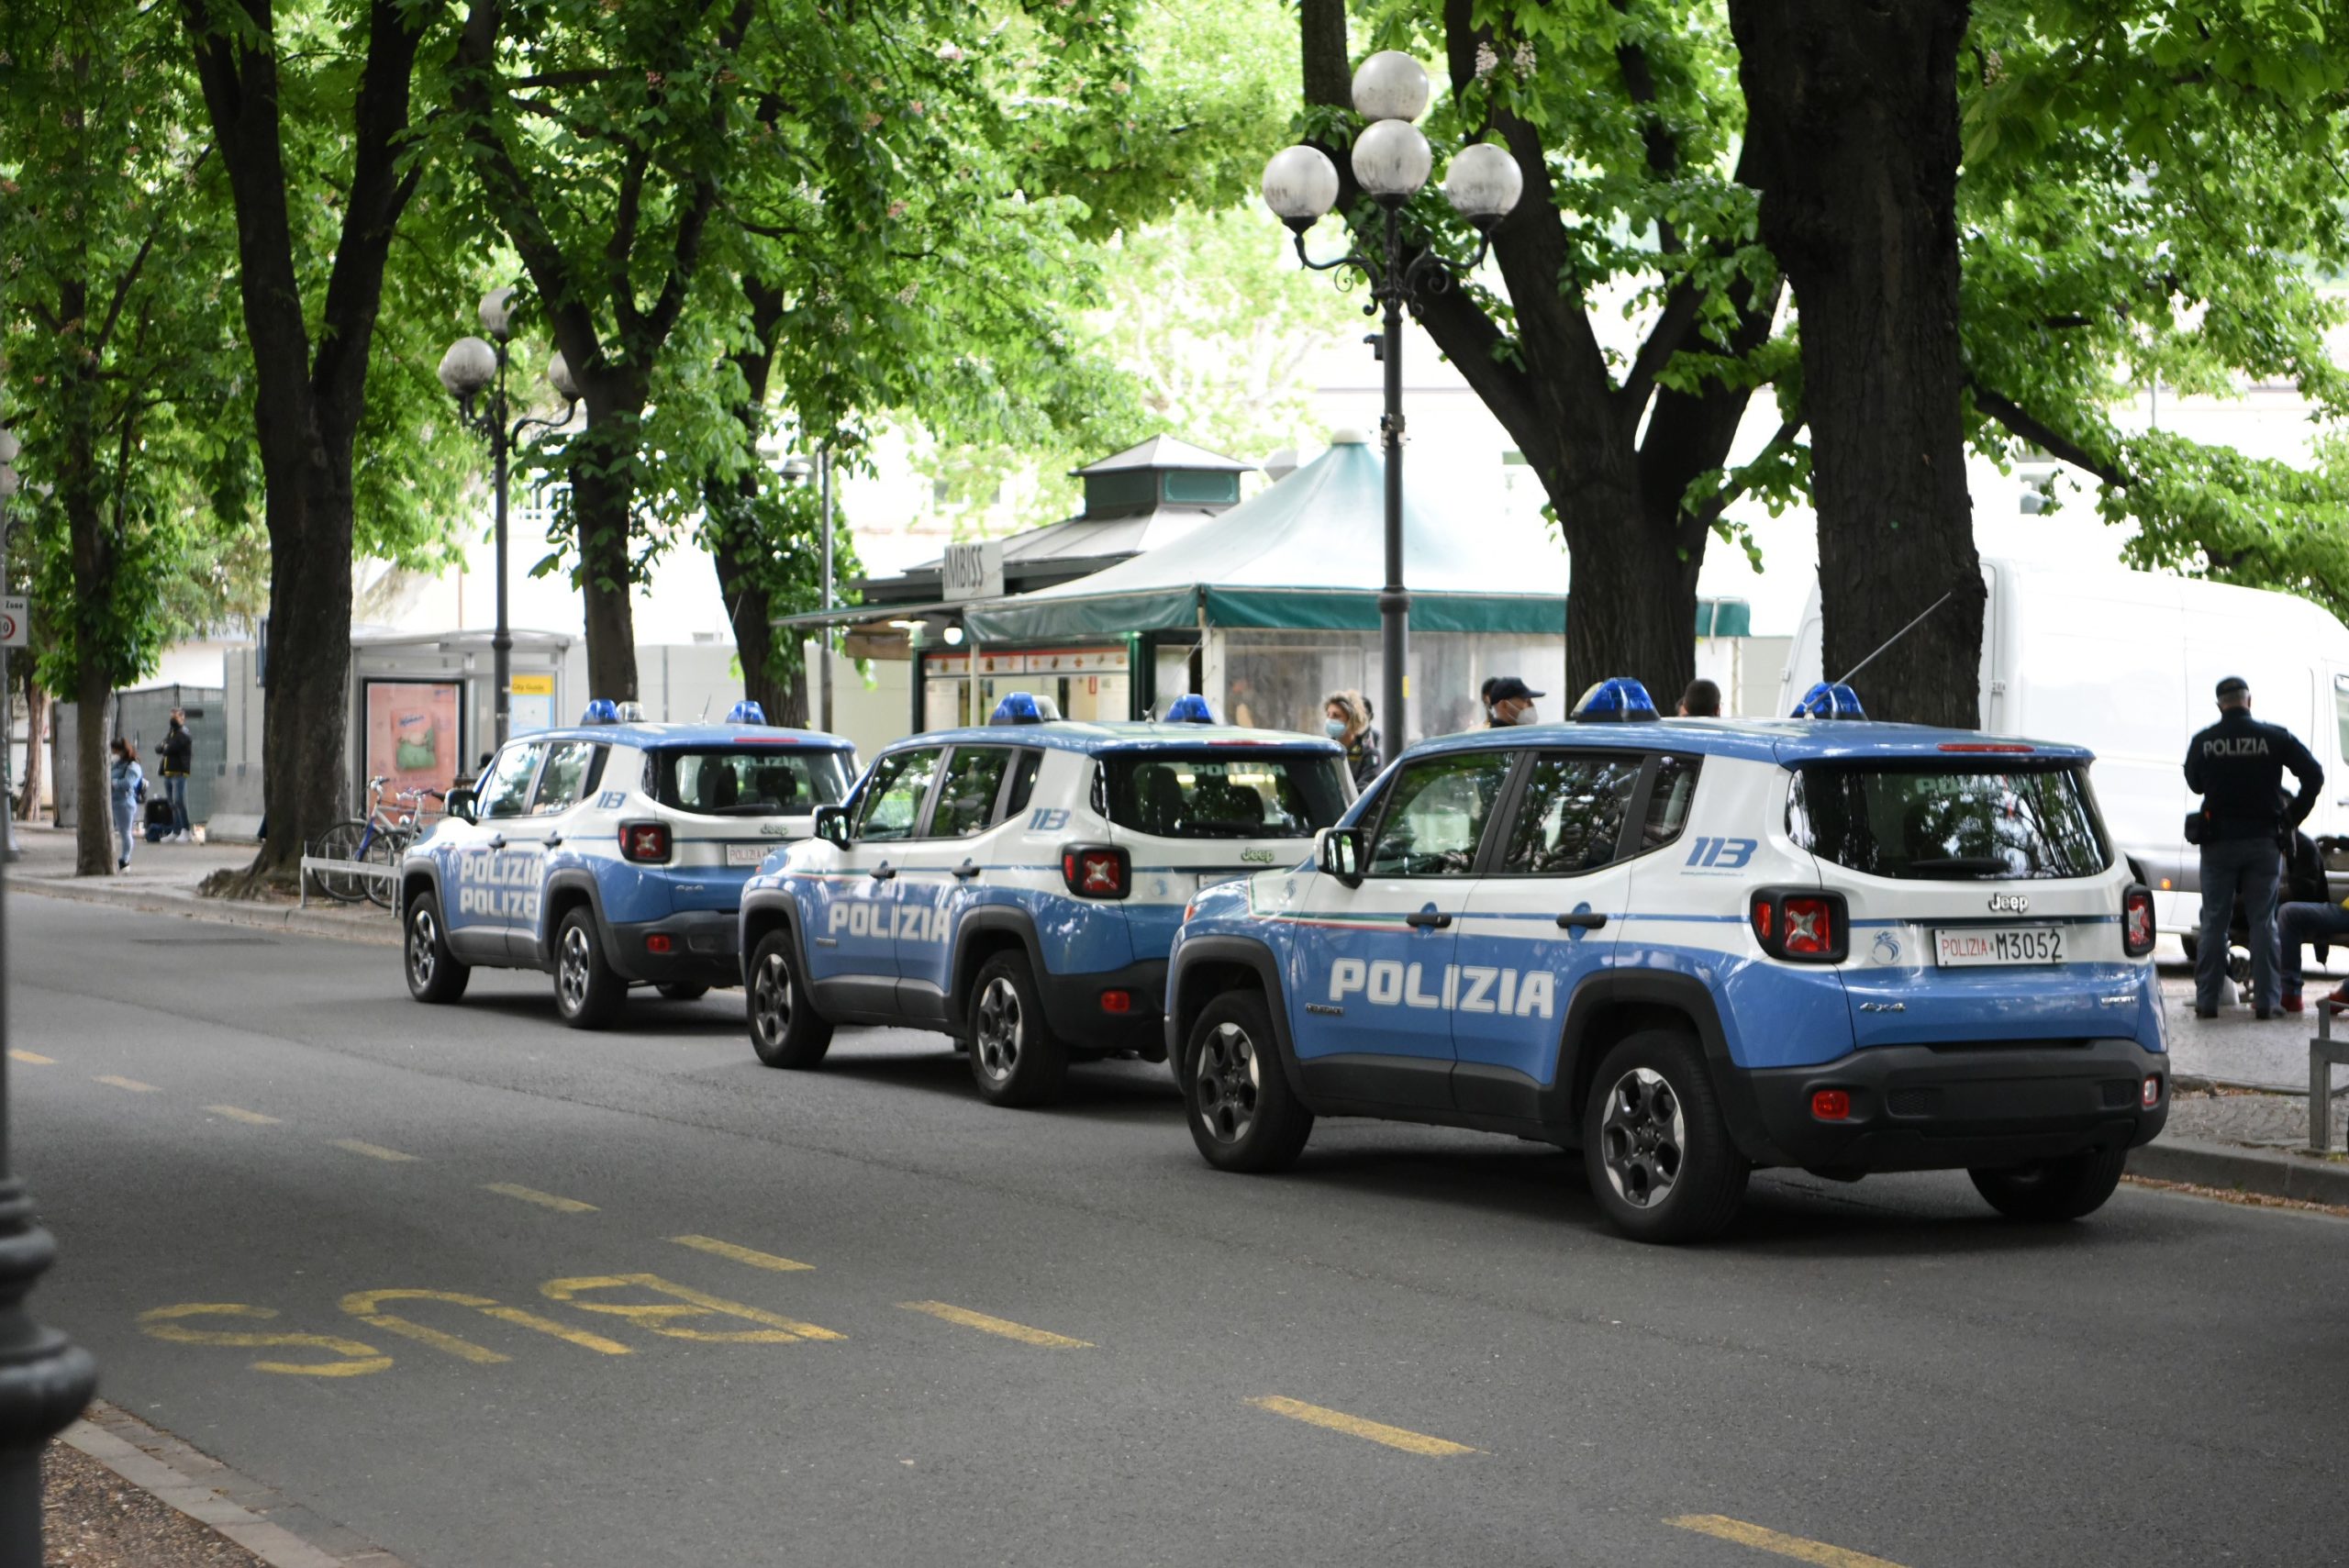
(1508, 701)
(2237, 766)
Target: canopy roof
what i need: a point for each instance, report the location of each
(1307, 553)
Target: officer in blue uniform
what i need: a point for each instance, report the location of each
(2237, 766)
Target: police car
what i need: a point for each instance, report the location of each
(1016, 885)
(612, 854)
(1691, 948)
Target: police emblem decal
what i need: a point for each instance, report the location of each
(1887, 949)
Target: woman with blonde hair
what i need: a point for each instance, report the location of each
(1346, 721)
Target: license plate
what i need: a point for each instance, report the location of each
(745, 855)
(1998, 944)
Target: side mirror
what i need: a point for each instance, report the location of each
(832, 825)
(463, 805)
(1340, 851)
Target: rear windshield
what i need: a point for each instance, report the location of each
(745, 781)
(1938, 824)
(1226, 793)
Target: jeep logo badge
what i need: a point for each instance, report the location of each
(2008, 903)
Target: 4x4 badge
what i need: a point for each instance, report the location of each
(2008, 903)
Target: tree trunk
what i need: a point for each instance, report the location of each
(1631, 611)
(95, 851)
(36, 726)
(602, 463)
(305, 709)
(1856, 107)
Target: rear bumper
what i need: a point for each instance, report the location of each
(1073, 1004)
(704, 948)
(1945, 1107)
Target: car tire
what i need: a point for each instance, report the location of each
(1236, 1097)
(1658, 1153)
(434, 975)
(587, 991)
(2050, 1191)
(1016, 1059)
(684, 992)
(785, 1029)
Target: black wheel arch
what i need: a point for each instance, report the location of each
(415, 877)
(1610, 1007)
(1204, 968)
(564, 892)
(979, 936)
(766, 911)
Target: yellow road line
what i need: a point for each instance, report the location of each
(33, 1057)
(121, 1083)
(1354, 1426)
(1003, 1326)
(1794, 1546)
(750, 1255)
(237, 1112)
(544, 1200)
(373, 1150)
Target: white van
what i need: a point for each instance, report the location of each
(2125, 664)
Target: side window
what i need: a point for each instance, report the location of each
(570, 773)
(966, 800)
(505, 788)
(1668, 803)
(1023, 782)
(1571, 819)
(891, 804)
(1435, 814)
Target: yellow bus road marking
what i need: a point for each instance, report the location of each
(686, 1302)
(1003, 1326)
(33, 1057)
(237, 1112)
(544, 1200)
(367, 1306)
(750, 1255)
(1354, 1426)
(373, 1150)
(1794, 1546)
(121, 1083)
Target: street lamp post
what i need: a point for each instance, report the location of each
(797, 471)
(1391, 161)
(470, 368)
(45, 1378)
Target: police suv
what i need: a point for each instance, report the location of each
(612, 854)
(1016, 885)
(1691, 948)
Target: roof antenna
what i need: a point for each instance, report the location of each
(1845, 679)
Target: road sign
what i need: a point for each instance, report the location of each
(16, 621)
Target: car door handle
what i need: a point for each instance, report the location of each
(552, 840)
(1427, 919)
(499, 842)
(1582, 920)
(883, 872)
(966, 871)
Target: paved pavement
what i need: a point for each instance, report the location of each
(488, 1292)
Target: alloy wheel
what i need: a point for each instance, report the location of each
(423, 949)
(1225, 1083)
(571, 970)
(1643, 1137)
(771, 999)
(1000, 1030)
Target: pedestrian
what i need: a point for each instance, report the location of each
(126, 790)
(2309, 914)
(1346, 720)
(2237, 766)
(177, 750)
(1701, 700)
(1509, 701)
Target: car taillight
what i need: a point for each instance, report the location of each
(1802, 925)
(1831, 1104)
(2137, 922)
(1096, 871)
(646, 842)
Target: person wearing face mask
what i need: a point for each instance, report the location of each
(1346, 720)
(1510, 701)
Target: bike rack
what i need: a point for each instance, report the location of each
(340, 868)
(2325, 1054)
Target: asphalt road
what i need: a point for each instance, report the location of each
(1057, 1337)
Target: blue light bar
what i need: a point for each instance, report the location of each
(1018, 707)
(746, 712)
(1829, 700)
(601, 710)
(1190, 708)
(1616, 700)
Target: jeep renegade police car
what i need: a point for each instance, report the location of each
(611, 854)
(1017, 885)
(1693, 947)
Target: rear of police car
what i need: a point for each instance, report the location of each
(1993, 957)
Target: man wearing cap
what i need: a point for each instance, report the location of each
(2237, 766)
(1510, 701)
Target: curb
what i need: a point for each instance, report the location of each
(2271, 1173)
(218, 911)
(152, 1460)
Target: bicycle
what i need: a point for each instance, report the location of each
(378, 838)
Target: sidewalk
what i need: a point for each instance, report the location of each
(162, 880)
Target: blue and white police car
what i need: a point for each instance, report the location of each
(1694, 947)
(1016, 885)
(611, 854)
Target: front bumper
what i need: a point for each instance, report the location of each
(1918, 1108)
(704, 948)
(1073, 1005)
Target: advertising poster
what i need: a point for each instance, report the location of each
(412, 737)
